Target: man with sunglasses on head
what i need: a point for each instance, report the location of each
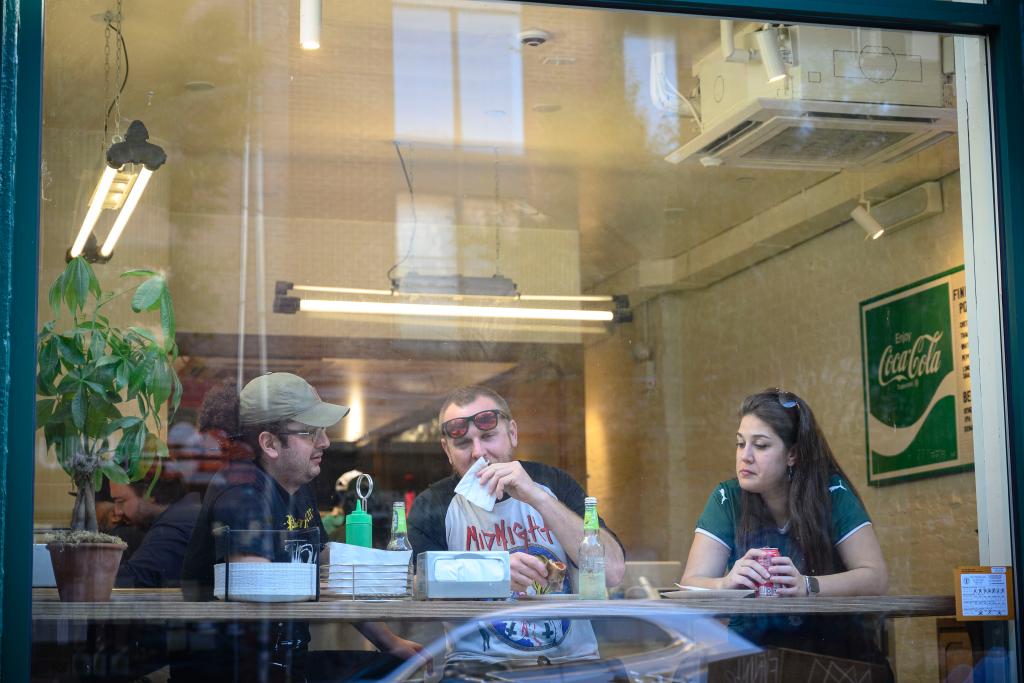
(538, 514)
(281, 421)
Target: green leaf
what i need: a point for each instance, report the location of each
(101, 412)
(154, 480)
(107, 360)
(138, 271)
(138, 376)
(159, 383)
(97, 389)
(56, 293)
(123, 423)
(121, 380)
(78, 277)
(146, 334)
(141, 468)
(130, 445)
(68, 383)
(94, 284)
(176, 393)
(167, 319)
(49, 362)
(97, 480)
(70, 349)
(97, 346)
(147, 296)
(79, 408)
(114, 472)
(44, 409)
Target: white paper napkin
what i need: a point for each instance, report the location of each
(472, 490)
(345, 554)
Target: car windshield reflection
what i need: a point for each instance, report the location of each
(640, 641)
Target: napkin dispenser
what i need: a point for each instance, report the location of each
(463, 574)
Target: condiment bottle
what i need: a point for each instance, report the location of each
(359, 524)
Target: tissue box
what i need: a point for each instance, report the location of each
(462, 574)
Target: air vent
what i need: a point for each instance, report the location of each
(825, 136)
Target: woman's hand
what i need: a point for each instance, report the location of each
(788, 580)
(747, 572)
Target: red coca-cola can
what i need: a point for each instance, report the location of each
(767, 589)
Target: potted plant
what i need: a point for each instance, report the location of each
(101, 388)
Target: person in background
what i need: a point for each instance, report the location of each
(281, 421)
(542, 502)
(167, 515)
(334, 521)
(789, 493)
(110, 522)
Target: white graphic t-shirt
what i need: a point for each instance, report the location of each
(440, 519)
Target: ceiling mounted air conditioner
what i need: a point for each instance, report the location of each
(853, 98)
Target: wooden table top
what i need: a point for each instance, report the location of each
(166, 605)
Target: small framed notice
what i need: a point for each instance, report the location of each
(984, 593)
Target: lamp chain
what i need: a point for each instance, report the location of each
(117, 72)
(106, 79)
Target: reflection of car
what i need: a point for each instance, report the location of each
(638, 640)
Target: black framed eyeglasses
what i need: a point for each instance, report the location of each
(485, 421)
(313, 435)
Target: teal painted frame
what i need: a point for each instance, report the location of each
(954, 469)
(1001, 21)
(21, 139)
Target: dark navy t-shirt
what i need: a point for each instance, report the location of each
(248, 501)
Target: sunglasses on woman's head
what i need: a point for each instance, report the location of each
(786, 399)
(485, 421)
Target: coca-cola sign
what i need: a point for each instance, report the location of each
(915, 347)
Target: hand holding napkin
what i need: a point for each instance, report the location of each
(472, 490)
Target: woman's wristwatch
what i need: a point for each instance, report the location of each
(811, 584)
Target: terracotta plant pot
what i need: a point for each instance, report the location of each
(85, 572)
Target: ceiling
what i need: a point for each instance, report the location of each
(387, 72)
(434, 95)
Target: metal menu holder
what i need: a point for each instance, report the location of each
(367, 580)
(289, 576)
(359, 572)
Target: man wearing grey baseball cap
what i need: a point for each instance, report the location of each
(281, 421)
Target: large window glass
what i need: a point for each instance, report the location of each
(624, 224)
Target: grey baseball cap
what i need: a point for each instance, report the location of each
(278, 396)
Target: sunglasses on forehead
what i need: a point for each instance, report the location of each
(485, 421)
(786, 399)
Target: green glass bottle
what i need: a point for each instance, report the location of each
(399, 534)
(591, 555)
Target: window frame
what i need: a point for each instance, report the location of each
(1000, 21)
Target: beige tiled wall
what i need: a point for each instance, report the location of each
(654, 454)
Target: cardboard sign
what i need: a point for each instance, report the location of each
(984, 593)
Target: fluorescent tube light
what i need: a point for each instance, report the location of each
(126, 212)
(93, 213)
(310, 13)
(452, 311)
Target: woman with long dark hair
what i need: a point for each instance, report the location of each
(789, 493)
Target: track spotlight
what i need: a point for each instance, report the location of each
(862, 217)
(310, 14)
(771, 54)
